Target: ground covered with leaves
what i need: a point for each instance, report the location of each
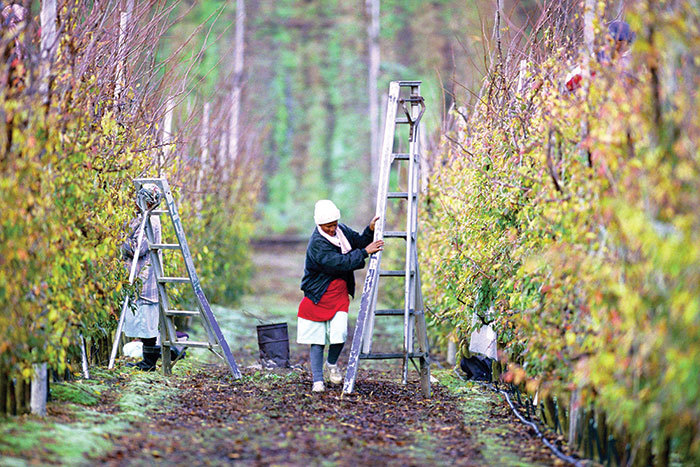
(273, 418)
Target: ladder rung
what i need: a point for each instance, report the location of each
(387, 356)
(391, 312)
(409, 83)
(412, 99)
(181, 313)
(395, 234)
(159, 211)
(176, 280)
(386, 273)
(164, 246)
(401, 156)
(205, 345)
(397, 194)
(402, 121)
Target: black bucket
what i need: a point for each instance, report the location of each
(273, 341)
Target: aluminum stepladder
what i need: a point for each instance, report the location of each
(215, 339)
(413, 315)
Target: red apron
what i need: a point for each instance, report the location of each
(335, 299)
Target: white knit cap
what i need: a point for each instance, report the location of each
(325, 212)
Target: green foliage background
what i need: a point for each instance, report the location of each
(306, 88)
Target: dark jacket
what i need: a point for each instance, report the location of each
(325, 262)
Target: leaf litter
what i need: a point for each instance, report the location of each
(272, 418)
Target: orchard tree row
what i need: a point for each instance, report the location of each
(563, 210)
(94, 95)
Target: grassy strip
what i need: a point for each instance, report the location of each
(78, 426)
(477, 405)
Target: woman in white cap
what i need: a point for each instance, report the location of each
(333, 253)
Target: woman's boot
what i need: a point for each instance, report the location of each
(151, 353)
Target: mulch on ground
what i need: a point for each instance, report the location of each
(273, 418)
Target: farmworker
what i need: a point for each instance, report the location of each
(333, 253)
(615, 52)
(13, 18)
(617, 47)
(143, 322)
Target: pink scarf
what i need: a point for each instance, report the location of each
(339, 240)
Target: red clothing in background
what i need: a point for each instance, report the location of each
(333, 300)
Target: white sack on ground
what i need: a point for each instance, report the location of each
(483, 342)
(133, 349)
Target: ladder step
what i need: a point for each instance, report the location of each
(392, 312)
(408, 83)
(402, 121)
(401, 157)
(181, 313)
(159, 211)
(386, 273)
(176, 280)
(388, 356)
(165, 246)
(395, 234)
(397, 194)
(205, 345)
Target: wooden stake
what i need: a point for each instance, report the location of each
(166, 135)
(49, 39)
(204, 156)
(83, 355)
(574, 415)
(39, 390)
(451, 352)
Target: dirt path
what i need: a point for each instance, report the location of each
(274, 419)
(271, 417)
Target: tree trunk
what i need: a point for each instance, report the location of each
(121, 57)
(4, 383)
(238, 56)
(373, 75)
(12, 409)
(25, 395)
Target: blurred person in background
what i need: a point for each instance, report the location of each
(614, 54)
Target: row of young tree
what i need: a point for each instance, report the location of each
(567, 218)
(94, 95)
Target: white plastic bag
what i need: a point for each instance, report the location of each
(133, 349)
(483, 342)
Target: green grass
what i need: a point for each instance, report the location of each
(77, 392)
(79, 430)
(475, 403)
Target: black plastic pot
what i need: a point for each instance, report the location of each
(273, 340)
